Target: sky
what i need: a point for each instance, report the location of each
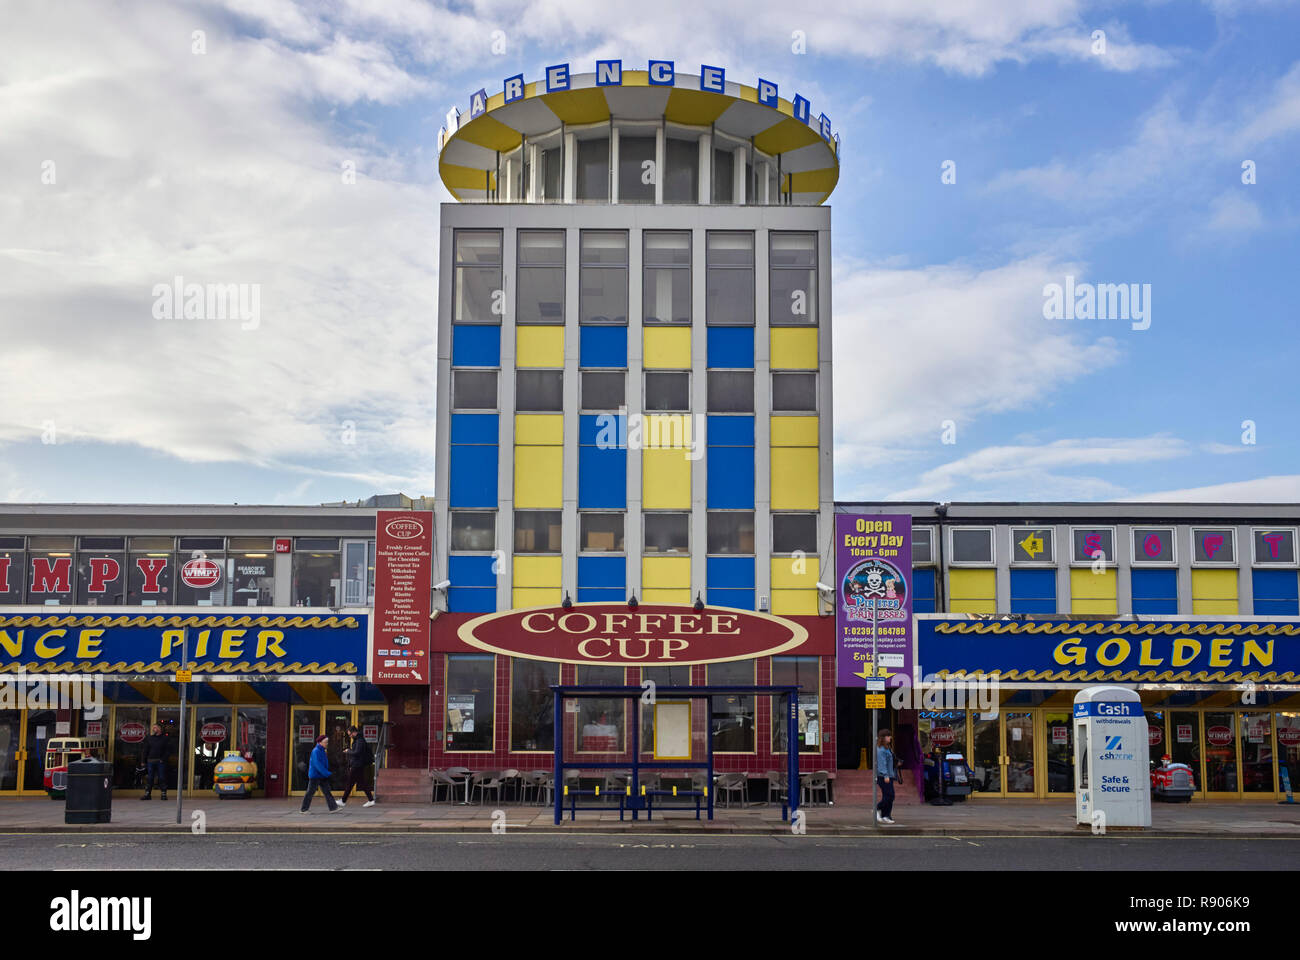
(990, 151)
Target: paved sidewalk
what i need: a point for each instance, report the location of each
(973, 818)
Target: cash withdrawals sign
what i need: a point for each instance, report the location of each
(873, 570)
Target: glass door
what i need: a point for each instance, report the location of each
(1185, 744)
(11, 749)
(1288, 750)
(210, 739)
(1257, 754)
(986, 753)
(1221, 753)
(1019, 731)
(336, 726)
(1058, 749)
(302, 733)
(40, 730)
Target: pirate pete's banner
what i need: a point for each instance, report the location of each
(873, 569)
(100, 643)
(1154, 650)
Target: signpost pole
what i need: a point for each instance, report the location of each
(180, 743)
(875, 762)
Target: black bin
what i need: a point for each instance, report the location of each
(89, 798)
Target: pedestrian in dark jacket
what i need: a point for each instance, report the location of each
(360, 756)
(318, 775)
(155, 758)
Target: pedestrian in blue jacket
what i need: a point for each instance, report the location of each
(318, 775)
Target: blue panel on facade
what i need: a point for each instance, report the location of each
(1150, 607)
(475, 427)
(1034, 585)
(601, 595)
(923, 584)
(1026, 605)
(731, 347)
(471, 572)
(602, 428)
(740, 599)
(1275, 585)
(1277, 608)
(1155, 585)
(473, 476)
(730, 572)
(603, 346)
(602, 572)
(471, 600)
(731, 431)
(602, 478)
(475, 345)
(923, 604)
(731, 478)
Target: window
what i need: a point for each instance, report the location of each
(731, 531)
(731, 391)
(682, 179)
(101, 574)
(13, 574)
(213, 592)
(667, 533)
(801, 672)
(473, 530)
(667, 390)
(541, 277)
(794, 531)
(922, 546)
(358, 572)
(601, 724)
(477, 277)
(1088, 544)
(633, 153)
(973, 545)
(1152, 546)
(666, 285)
(532, 704)
(678, 676)
(470, 701)
(252, 578)
(1274, 546)
(315, 578)
(151, 571)
(539, 390)
(603, 277)
(603, 390)
(601, 532)
(733, 714)
(552, 175)
(729, 261)
(537, 531)
(593, 169)
(724, 174)
(474, 389)
(1033, 545)
(793, 272)
(1214, 546)
(794, 392)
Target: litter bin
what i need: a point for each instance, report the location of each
(89, 796)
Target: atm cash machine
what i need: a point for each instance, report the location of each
(1112, 782)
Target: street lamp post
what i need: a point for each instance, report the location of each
(875, 761)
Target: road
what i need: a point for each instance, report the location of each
(576, 851)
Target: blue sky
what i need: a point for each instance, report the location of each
(129, 158)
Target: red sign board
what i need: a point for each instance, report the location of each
(942, 736)
(403, 572)
(131, 732)
(612, 633)
(283, 545)
(1288, 736)
(307, 733)
(200, 573)
(370, 732)
(213, 733)
(94, 728)
(1219, 736)
(1154, 736)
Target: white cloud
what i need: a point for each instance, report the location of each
(1233, 212)
(1276, 489)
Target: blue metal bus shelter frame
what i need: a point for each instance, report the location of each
(634, 798)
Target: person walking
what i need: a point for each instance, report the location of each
(155, 758)
(360, 756)
(886, 776)
(318, 776)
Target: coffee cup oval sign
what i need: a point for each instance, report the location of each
(404, 528)
(650, 635)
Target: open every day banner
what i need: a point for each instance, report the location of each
(873, 569)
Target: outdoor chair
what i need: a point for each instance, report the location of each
(511, 778)
(818, 782)
(730, 783)
(490, 780)
(441, 781)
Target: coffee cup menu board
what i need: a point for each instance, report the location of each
(403, 568)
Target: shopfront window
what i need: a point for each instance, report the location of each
(130, 728)
(986, 752)
(1288, 751)
(316, 572)
(50, 573)
(303, 733)
(358, 566)
(1157, 746)
(734, 717)
(201, 573)
(532, 704)
(471, 701)
(252, 578)
(101, 571)
(1257, 753)
(1221, 752)
(210, 742)
(151, 571)
(13, 570)
(250, 739)
(602, 724)
(661, 677)
(1185, 742)
(801, 672)
(944, 731)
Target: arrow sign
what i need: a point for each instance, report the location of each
(880, 672)
(1032, 544)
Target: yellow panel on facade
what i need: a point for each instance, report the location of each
(539, 347)
(973, 606)
(1086, 585)
(490, 133)
(535, 597)
(972, 585)
(667, 348)
(784, 574)
(539, 429)
(794, 478)
(795, 431)
(539, 475)
(794, 348)
(1078, 605)
(1214, 606)
(798, 603)
(585, 105)
(697, 107)
(665, 480)
(537, 572)
(667, 596)
(789, 134)
(666, 572)
(1214, 585)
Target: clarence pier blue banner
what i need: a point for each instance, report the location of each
(291, 644)
(1148, 650)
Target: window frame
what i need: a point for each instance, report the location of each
(928, 532)
(514, 541)
(457, 265)
(645, 391)
(1015, 531)
(778, 724)
(645, 540)
(772, 272)
(496, 375)
(451, 531)
(981, 564)
(537, 372)
(1217, 564)
(446, 701)
(583, 406)
(1109, 562)
(708, 546)
(510, 713)
(520, 267)
(620, 550)
(737, 373)
(1275, 564)
(1135, 553)
(625, 266)
(816, 519)
(751, 267)
(816, 403)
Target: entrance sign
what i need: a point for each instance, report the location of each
(873, 571)
(403, 574)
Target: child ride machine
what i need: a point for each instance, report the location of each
(59, 751)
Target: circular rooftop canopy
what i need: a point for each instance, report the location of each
(473, 154)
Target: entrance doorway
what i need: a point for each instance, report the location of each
(309, 722)
(1014, 753)
(23, 735)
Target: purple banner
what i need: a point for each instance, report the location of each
(873, 572)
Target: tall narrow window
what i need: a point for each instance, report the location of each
(682, 179)
(636, 180)
(603, 277)
(471, 701)
(541, 277)
(477, 276)
(723, 176)
(793, 278)
(666, 285)
(593, 169)
(729, 259)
